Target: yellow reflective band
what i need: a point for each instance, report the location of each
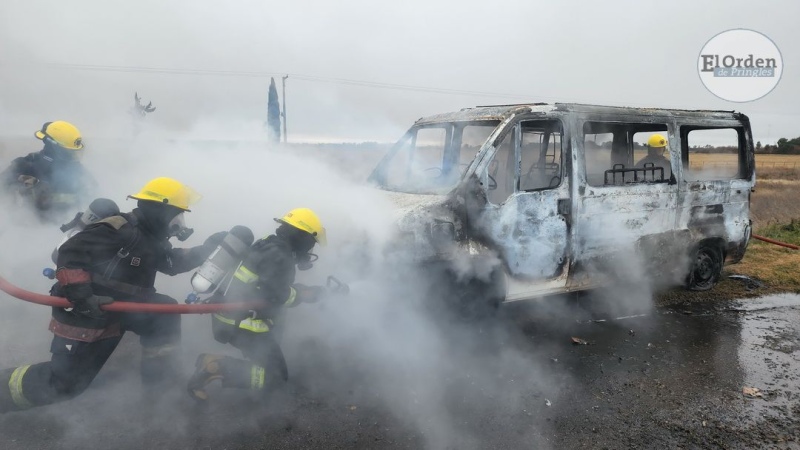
(244, 275)
(15, 387)
(254, 325)
(257, 378)
(224, 319)
(292, 297)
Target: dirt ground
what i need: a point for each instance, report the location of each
(656, 377)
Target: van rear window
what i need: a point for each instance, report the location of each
(712, 154)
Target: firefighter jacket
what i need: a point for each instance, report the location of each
(123, 256)
(266, 275)
(55, 184)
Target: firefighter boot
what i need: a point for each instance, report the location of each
(207, 369)
(234, 373)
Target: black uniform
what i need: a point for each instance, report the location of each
(53, 181)
(267, 275)
(121, 255)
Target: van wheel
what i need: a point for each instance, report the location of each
(706, 267)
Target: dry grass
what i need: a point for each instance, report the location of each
(774, 201)
(775, 213)
(768, 167)
(776, 266)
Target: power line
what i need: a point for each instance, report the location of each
(259, 74)
(346, 82)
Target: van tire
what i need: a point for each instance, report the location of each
(706, 267)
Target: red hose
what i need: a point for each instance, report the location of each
(772, 241)
(122, 306)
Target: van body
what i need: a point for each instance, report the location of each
(540, 199)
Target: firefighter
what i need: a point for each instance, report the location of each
(656, 146)
(52, 180)
(114, 259)
(267, 275)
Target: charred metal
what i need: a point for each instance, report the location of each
(558, 198)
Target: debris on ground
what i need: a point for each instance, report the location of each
(631, 332)
(752, 392)
(547, 402)
(579, 341)
(749, 283)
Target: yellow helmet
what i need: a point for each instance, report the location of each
(168, 191)
(304, 219)
(657, 141)
(64, 134)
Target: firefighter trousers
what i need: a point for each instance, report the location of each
(265, 367)
(75, 363)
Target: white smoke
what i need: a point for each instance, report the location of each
(380, 347)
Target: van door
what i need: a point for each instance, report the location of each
(718, 164)
(526, 215)
(626, 212)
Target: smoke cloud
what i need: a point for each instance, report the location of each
(379, 348)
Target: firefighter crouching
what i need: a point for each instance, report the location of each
(267, 275)
(113, 259)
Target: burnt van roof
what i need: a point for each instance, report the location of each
(501, 112)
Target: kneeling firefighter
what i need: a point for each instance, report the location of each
(266, 275)
(113, 259)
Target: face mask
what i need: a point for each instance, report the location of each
(177, 228)
(60, 153)
(305, 260)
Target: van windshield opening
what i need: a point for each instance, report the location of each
(432, 158)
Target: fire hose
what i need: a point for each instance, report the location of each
(124, 306)
(772, 241)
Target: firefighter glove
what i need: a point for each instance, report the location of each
(27, 181)
(90, 307)
(77, 288)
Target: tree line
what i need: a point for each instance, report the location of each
(783, 147)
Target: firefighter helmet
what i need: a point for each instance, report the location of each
(63, 134)
(304, 219)
(168, 191)
(657, 141)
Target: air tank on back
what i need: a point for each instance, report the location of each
(222, 260)
(99, 209)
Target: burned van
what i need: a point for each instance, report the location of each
(521, 201)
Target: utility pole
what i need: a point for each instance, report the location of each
(283, 114)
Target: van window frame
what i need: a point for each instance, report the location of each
(631, 126)
(745, 171)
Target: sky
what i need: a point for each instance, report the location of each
(362, 70)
